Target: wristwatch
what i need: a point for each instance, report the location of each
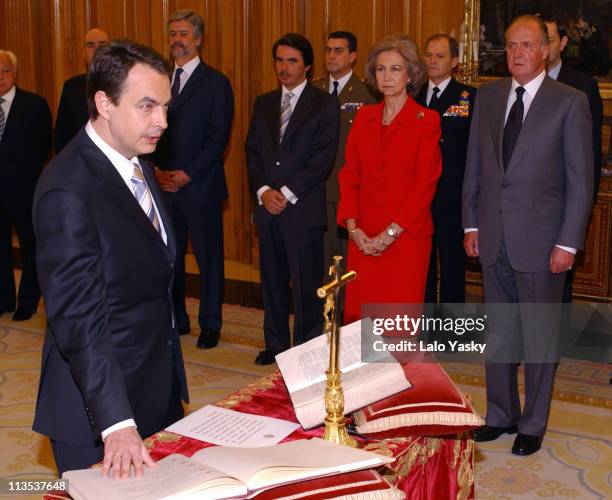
(392, 232)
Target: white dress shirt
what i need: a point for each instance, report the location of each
(9, 97)
(188, 69)
(531, 89)
(341, 82)
(441, 86)
(555, 70)
(297, 92)
(125, 168)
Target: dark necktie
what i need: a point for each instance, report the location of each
(2, 118)
(176, 86)
(434, 97)
(335, 91)
(513, 126)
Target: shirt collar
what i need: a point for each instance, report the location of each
(442, 85)
(341, 81)
(9, 97)
(189, 67)
(297, 91)
(554, 71)
(532, 87)
(124, 166)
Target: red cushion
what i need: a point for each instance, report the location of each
(433, 406)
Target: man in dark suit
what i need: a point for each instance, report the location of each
(25, 140)
(290, 148)
(527, 196)
(455, 103)
(352, 93)
(190, 170)
(72, 111)
(112, 369)
(557, 35)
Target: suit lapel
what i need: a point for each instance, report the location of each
(447, 98)
(273, 115)
(158, 197)
(347, 93)
(299, 113)
(10, 124)
(498, 117)
(531, 123)
(193, 83)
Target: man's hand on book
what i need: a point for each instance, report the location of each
(122, 449)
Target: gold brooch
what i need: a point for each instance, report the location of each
(420, 115)
(465, 93)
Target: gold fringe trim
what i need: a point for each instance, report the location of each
(388, 494)
(415, 419)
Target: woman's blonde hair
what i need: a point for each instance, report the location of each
(409, 51)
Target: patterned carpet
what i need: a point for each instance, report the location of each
(575, 462)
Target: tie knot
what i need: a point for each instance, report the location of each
(288, 97)
(137, 175)
(436, 91)
(178, 72)
(519, 92)
(336, 84)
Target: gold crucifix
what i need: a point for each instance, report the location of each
(335, 422)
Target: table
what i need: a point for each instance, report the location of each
(425, 467)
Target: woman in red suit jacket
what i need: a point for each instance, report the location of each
(388, 182)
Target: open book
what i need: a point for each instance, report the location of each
(303, 369)
(224, 472)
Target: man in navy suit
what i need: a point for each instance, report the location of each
(564, 73)
(25, 140)
(454, 102)
(72, 111)
(190, 170)
(112, 370)
(291, 147)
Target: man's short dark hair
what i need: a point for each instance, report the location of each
(110, 67)
(297, 42)
(350, 38)
(561, 28)
(452, 43)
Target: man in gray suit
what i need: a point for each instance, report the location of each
(353, 93)
(527, 195)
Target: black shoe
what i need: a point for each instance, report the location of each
(22, 314)
(265, 358)
(490, 433)
(184, 330)
(208, 339)
(6, 310)
(524, 444)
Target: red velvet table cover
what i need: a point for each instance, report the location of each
(425, 467)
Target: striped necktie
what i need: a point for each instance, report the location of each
(143, 195)
(285, 113)
(2, 118)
